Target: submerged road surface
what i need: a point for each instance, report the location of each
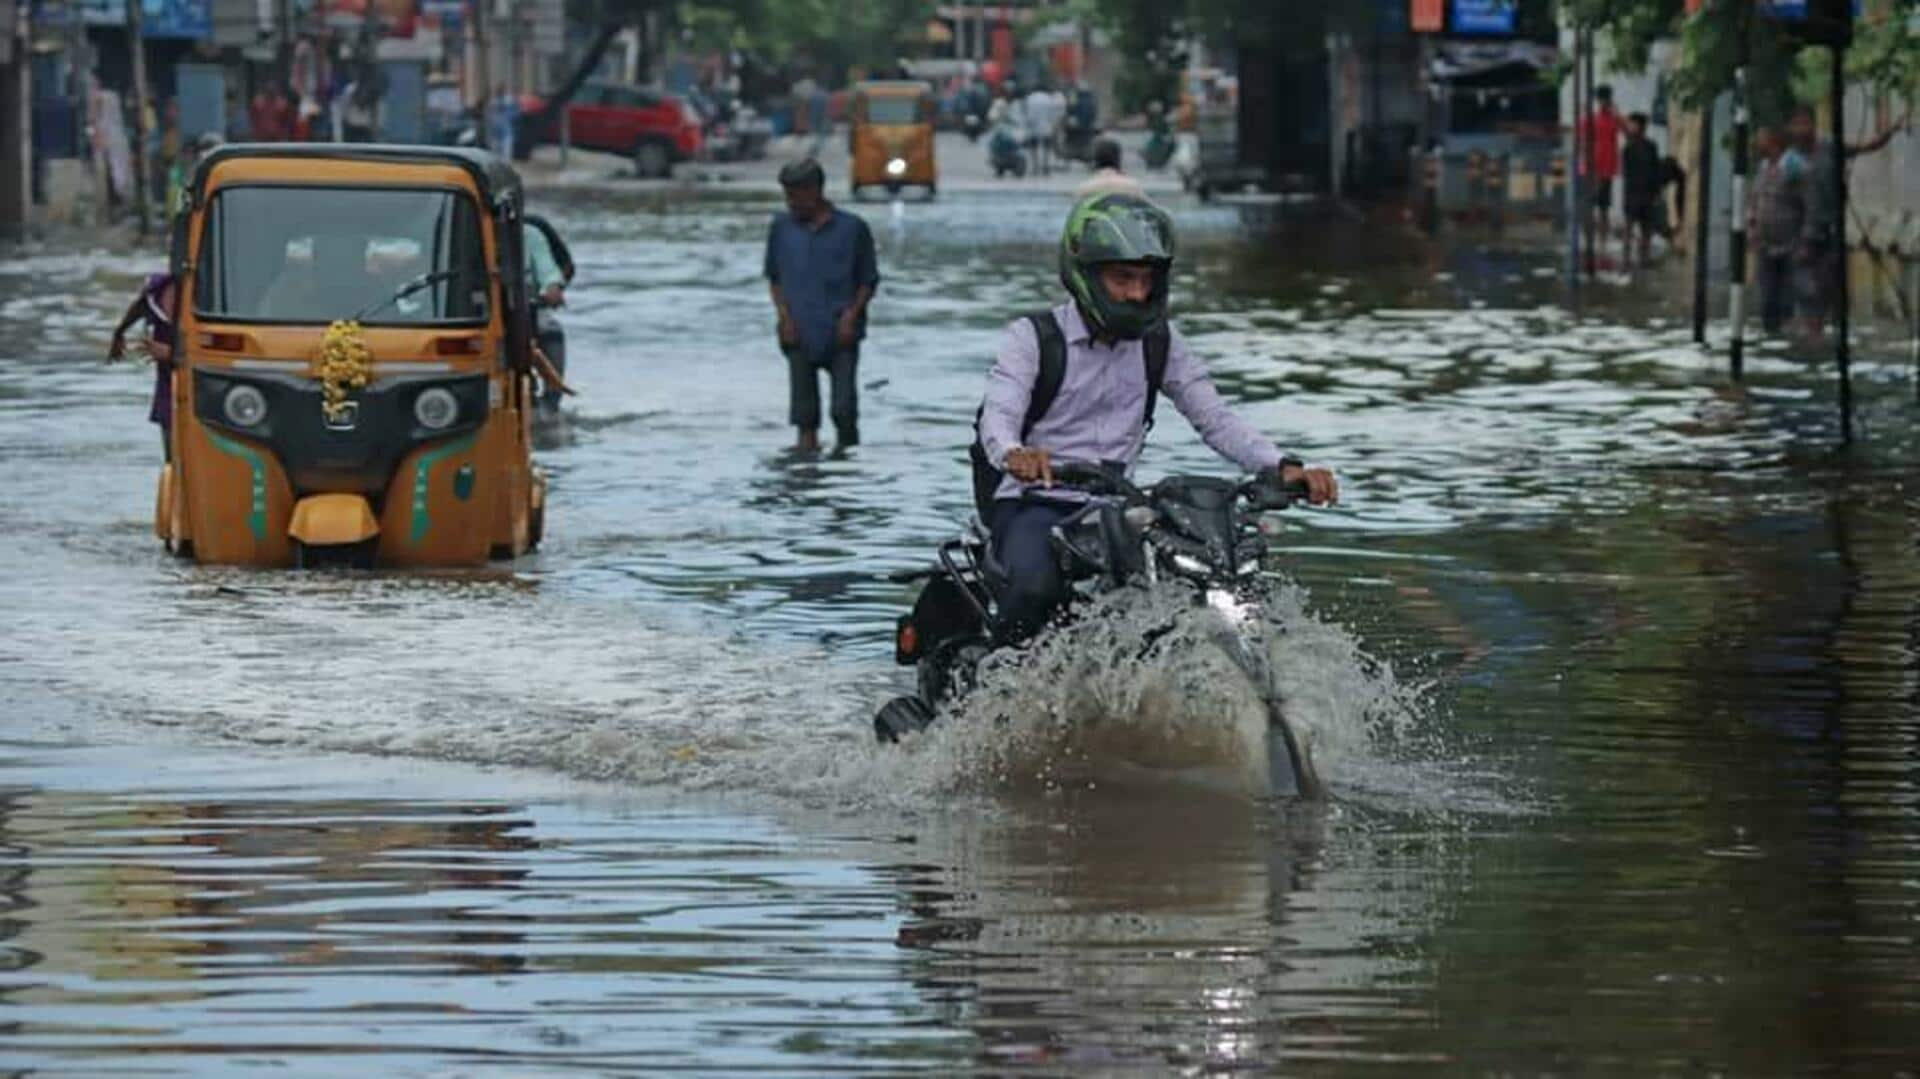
(1614, 670)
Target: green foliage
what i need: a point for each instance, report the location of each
(832, 35)
(1714, 41)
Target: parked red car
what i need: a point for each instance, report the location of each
(656, 129)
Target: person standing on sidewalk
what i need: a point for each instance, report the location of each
(1777, 214)
(821, 272)
(1600, 147)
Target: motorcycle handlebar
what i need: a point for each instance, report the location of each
(1097, 478)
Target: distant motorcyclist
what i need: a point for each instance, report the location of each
(1106, 353)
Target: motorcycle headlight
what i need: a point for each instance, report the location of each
(1189, 565)
(436, 408)
(244, 405)
(897, 167)
(1247, 568)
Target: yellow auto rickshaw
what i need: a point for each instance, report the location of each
(354, 347)
(891, 136)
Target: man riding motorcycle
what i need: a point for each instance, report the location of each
(1080, 382)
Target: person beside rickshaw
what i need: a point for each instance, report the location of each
(154, 307)
(821, 272)
(549, 272)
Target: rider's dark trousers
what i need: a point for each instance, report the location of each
(1021, 543)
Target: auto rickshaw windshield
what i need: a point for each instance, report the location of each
(892, 110)
(304, 254)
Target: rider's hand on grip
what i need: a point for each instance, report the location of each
(1030, 465)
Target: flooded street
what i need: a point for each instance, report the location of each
(1615, 671)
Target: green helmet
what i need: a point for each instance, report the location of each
(1116, 228)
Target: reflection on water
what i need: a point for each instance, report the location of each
(1648, 801)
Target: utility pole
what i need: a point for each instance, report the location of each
(1737, 251)
(1589, 211)
(481, 69)
(1702, 223)
(16, 138)
(1576, 174)
(137, 46)
(1842, 316)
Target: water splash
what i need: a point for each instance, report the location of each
(1146, 686)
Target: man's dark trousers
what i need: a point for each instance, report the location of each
(803, 374)
(1022, 543)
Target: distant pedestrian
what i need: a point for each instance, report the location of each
(1639, 189)
(1822, 236)
(1041, 122)
(821, 272)
(1107, 179)
(503, 115)
(1600, 160)
(153, 306)
(1777, 215)
(268, 117)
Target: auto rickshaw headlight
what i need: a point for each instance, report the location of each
(436, 408)
(244, 405)
(897, 167)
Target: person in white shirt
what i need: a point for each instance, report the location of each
(1041, 121)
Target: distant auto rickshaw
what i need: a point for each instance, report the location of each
(353, 361)
(891, 136)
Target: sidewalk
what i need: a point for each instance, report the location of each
(963, 168)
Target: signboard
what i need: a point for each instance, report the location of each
(190, 19)
(1816, 22)
(1427, 16)
(1484, 16)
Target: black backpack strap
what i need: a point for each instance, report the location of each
(1159, 342)
(1046, 387)
(1053, 368)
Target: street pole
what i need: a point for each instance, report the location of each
(1588, 210)
(1842, 350)
(1702, 226)
(137, 45)
(1576, 198)
(1737, 252)
(481, 69)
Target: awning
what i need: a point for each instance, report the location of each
(1465, 59)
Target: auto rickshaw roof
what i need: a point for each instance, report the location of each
(494, 177)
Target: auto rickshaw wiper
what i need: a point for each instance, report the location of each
(424, 281)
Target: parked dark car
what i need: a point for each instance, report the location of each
(656, 129)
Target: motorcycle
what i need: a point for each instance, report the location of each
(1197, 530)
(1005, 153)
(1159, 149)
(1074, 140)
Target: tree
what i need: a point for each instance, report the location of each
(1725, 33)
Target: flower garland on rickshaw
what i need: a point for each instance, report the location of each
(344, 364)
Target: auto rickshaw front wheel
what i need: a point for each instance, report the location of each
(335, 555)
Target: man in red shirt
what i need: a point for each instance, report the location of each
(267, 116)
(1600, 149)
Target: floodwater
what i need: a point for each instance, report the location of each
(1613, 670)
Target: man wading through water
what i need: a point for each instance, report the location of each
(821, 273)
(1105, 355)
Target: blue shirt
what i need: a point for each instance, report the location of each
(818, 270)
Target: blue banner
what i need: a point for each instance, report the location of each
(1484, 16)
(191, 19)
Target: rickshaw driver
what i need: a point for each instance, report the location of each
(335, 283)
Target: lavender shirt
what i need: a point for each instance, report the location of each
(1100, 412)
